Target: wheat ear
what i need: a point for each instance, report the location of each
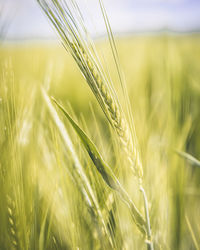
(72, 32)
(12, 222)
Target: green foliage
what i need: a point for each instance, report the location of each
(105, 171)
(46, 201)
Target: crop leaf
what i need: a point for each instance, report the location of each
(105, 171)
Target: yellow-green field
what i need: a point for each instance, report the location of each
(43, 197)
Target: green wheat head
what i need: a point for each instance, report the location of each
(68, 22)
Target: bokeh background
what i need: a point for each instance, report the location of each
(42, 195)
(25, 20)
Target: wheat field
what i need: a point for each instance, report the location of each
(52, 196)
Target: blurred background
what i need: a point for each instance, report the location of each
(23, 19)
(41, 197)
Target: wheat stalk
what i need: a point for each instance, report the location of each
(72, 31)
(67, 19)
(83, 181)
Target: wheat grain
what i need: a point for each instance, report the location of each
(12, 222)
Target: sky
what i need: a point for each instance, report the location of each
(25, 19)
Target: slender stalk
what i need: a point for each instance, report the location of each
(65, 16)
(148, 226)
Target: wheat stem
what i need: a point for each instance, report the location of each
(148, 227)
